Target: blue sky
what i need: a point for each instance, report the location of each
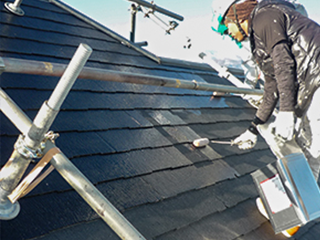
(115, 15)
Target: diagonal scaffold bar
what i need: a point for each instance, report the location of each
(33, 132)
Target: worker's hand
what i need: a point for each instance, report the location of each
(284, 125)
(246, 140)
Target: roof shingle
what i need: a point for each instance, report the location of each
(133, 142)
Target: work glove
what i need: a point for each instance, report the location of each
(246, 140)
(284, 125)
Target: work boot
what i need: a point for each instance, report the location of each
(287, 233)
(290, 232)
(261, 208)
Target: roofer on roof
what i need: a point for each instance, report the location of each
(285, 44)
(252, 72)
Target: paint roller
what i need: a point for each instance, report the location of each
(202, 142)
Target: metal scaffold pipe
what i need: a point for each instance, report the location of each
(159, 9)
(15, 7)
(117, 222)
(69, 77)
(50, 109)
(55, 69)
(12, 172)
(134, 10)
(27, 146)
(102, 28)
(80, 183)
(13, 113)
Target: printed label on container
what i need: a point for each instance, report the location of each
(275, 194)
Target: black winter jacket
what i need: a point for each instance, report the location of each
(292, 65)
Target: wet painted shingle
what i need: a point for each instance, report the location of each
(133, 142)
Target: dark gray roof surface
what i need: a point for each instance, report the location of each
(132, 141)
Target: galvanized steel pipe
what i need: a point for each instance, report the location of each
(55, 69)
(117, 222)
(14, 113)
(16, 166)
(133, 22)
(69, 76)
(10, 177)
(50, 109)
(17, 3)
(15, 7)
(73, 176)
(27, 146)
(102, 28)
(159, 9)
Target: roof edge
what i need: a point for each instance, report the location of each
(196, 65)
(104, 29)
(186, 64)
(160, 60)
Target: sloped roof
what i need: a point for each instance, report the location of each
(133, 142)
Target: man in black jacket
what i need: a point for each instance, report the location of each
(286, 46)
